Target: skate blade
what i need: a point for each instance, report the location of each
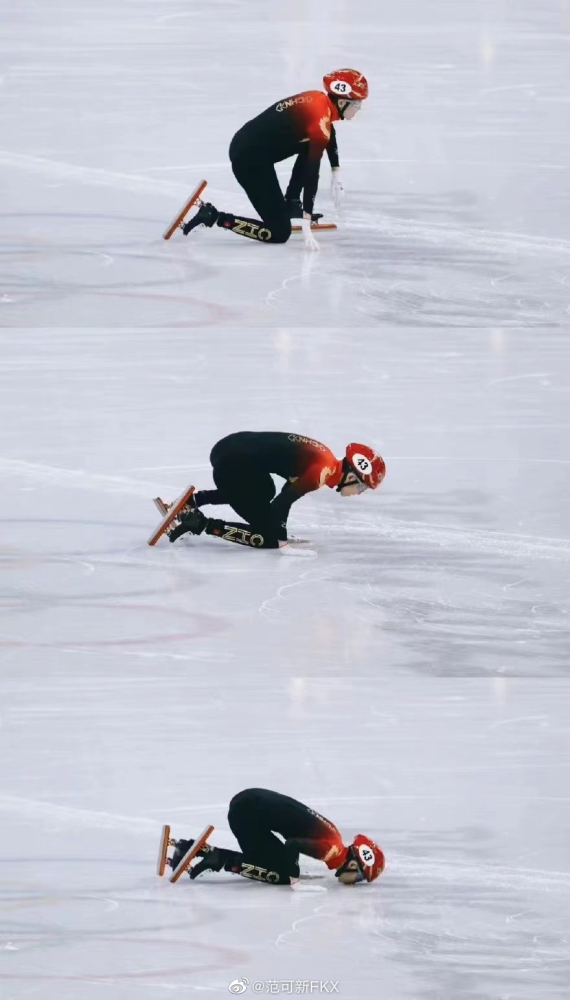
(316, 226)
(184, 862)
(170, 515)
(162, 851)
(179, 219)
(161, 506)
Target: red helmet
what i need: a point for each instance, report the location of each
(364, 862)
(371, 858)
(347, 83)
(366, 464)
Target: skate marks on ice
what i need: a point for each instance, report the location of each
(91, 175)
(86, 587)
(57, 817)
(108, 282)
(441, 870)
(474, 540)
(76, 478)
(461, 928)
(438, 598)
(453, 273)
(501, 928)
(408, 217)
(275, 607)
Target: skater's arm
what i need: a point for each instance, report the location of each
(317, 146)
(318, 132)
(312, 479)
(295, 185)
(332, 149)
(330, 850)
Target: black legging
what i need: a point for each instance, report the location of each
(248, 491)
(253, 815)
(259, 181)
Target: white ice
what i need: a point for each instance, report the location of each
(408, 676)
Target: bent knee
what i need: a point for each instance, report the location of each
(240, 800)
(280, 229)
(247, 802)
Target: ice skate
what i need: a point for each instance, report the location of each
(178, 219)
(194, 522)
(207, 215)
(315, 224)
(163, 506)
(181, 847)
(169, 513)
(184, 852)
(295, 209)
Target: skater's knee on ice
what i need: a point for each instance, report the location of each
(280, 229)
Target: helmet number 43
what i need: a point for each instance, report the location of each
(366, 855)
(363, 464)
(339, 87)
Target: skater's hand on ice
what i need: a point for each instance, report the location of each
(308, 238)
(337, 190)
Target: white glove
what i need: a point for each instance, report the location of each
(337, 190)
(308, 238)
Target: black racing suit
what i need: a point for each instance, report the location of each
(257, 814)
(242, 467)
(299, 126)
(297, 180)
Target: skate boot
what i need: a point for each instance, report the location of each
(206, 215)
(295, 209)
(180, 850)
(187, 508)
(214, 859)
(182, 513)
(195, 522)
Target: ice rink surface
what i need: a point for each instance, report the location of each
(408, 674)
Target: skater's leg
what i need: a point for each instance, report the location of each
(245, 488)
(250, 493)
(264, 857)
(236, 477)
(250, 822)
(240, 486)
(261, 185)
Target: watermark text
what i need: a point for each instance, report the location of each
(297, 986)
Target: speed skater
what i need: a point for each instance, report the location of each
(301, 126)
(256, 815)
(242, 465)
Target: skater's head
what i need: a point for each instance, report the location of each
(362, 469)
(364, 862)
(347, 89)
